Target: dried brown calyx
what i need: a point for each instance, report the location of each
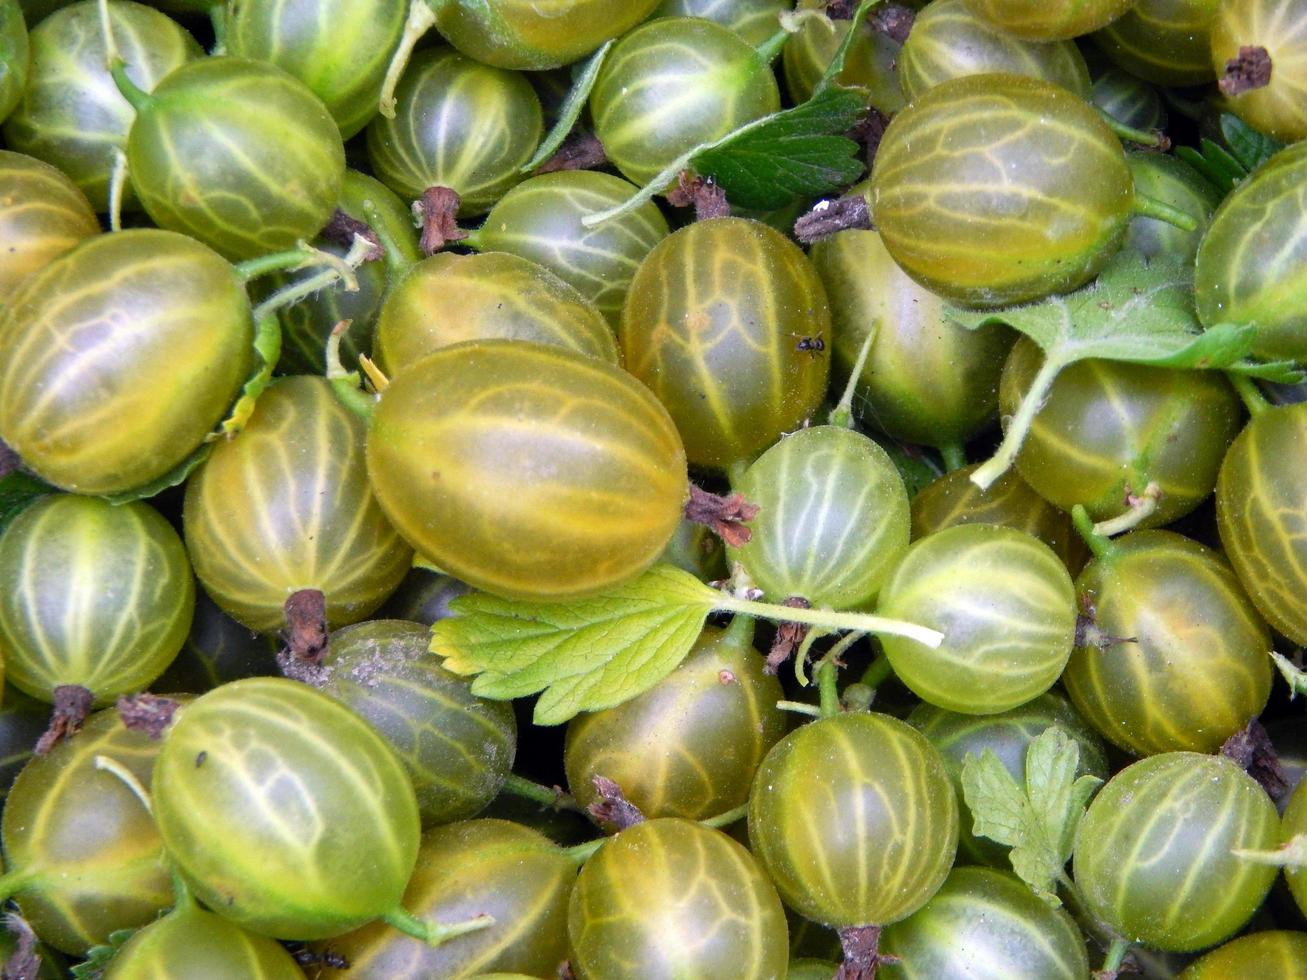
(825, 218)
(708, 197)
(724, 516)
(613, 809)
(1250, 70)
(72, 703)
(436, 211)
(580, 151)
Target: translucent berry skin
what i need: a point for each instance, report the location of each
(713, 324)
(527, 470)
(1278, 108)
(1040, 21)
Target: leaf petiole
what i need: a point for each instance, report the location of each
(1019, 426)
(830, 619)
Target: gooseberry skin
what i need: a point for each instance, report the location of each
(689, 746)
(527, 470)
(92, 595)
(1110, 428)
(42, 216)
(1006, 606)
(338, 48)
(1253, 258)
(15, 56)
(832, 521)
(458, 124)
(1278, 108)
(532, 35)
(926, 379)
(999, 189)
(988, 925)
(195, 943)
(1039, 21)
(287, 506)
(949, 41)
(1166, 42)
(1171, 181)
(870, 63)
(1259, 506)
(285, 811)
(671, 85)
(1295, 823)
(447, 299)
(669, 899)
(855, 820)
(753, 20)
(71, 114)
(1274, 953)
(540, 220)
(1153, 855)
(466, 869)
(255, 170)
(1183, 663)
(712, 324)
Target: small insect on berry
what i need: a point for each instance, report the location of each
(812, 345)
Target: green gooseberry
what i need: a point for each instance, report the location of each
(42, 216)
(15, 56)
(1273, 955)
(1166, 42)
(1040, 21)
(1278, 108)
(870, 64)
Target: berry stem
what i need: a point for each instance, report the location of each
(1154, 139)
(828, 688)
(842, 413)
(1140, 509)
(581, 853)
(1115, 957)
(770, 49)
(1252, 396)
(727, 818)
(877, 672)
(335, 270)
(1019, 425)
(15, 881)
(550, 797)
(421, 18)
(830, 619)
(346, 383)
(1099, 543)
(293, 258)
(954, 456)
(1151, 207)
(433, 933)
(117, 184)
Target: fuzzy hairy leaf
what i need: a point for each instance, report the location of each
(98, 957)
(1038, 821)
(584, 655)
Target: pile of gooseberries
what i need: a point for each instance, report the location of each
(370, 367)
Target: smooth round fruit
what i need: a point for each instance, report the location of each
(832, 519)
(987, 925)
(15, 56)
(458, 124)
(927, 380)
(1177, 654)
(193, 943)
(999, 189)
(953, 499)
(71, 114)
(540, 220)
(1278, 108)
(1295, 824)
(526, 470)
(674, 900)
(287, 506)
(121, 356)
(1253, 258)
(285, 811)
(754, 20)
(855, 820)
(949, 41)
(1153, 854)
(532, 35)
(1041, 21)
(447, 299)
(1272, 955)
(92, 860)
(477, 867)
(1166, 42)
(671, 85)
(870, 63)
(713, 324)
(338, 48)
(1259, 510)
(42, 216)
(458, 748)
(1172, 181)
(1006, 606)
(1008, 735)
(689, 746)
(1128, 101)
(237, 154)
(91, 595)
(1107, 429)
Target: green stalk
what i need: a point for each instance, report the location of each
(396, 264)
(1151, 207)
(581, 853)
(336, 270)
(842, 413)
(877, 672)
(545, 796)
(727, 818)
(1115, 957)
(739, 633)
(1151, 138)
(433, 933)
(827, 686)
(1252, 396)
(954, 456)
(1136, 514)
(421, 18)
(117, 183)
(830, 620)
(293, 258)
(218, 20)
(1019, 427)
(771, 48)
(1099, 544)
(799, 708)
(15, 881)
(346, 384)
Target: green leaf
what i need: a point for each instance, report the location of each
(1137, 311)
(1249, 147)
(794, 153)
(1295, 677)
(1291, 854)
(584, 655)
(836, 63)
(17, 490)
(1212, 160)
(571, 109)
(98, 957)
(267, 349)
(1038, 821)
